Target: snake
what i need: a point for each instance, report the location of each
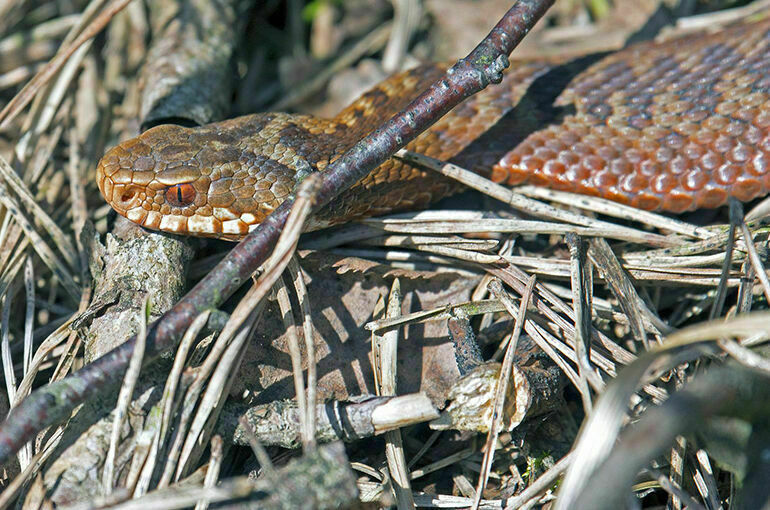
(669, 126)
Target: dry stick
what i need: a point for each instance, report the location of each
(259, 451)
(483, 65)
(277, 423)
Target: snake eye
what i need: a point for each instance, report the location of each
(180, 195)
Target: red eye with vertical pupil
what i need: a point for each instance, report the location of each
(180, 195)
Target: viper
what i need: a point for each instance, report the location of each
(673, 126)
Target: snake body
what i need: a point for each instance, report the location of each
(671, 126)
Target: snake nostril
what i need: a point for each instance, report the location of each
(128, 195)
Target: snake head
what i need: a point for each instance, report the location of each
(218, 180)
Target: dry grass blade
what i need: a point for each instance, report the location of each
(624, 290)
(721, 293)
(704, 480)
(673, 483)
(385, 353)
(79, 207)
(308, 333)
(172, 382)
(248, 308)
(29, 315)
(237, 329)
(513, 226)
(744, 356)
(501, 389)
(601, 430)
(756, 261)
(406, 14)
(169, 402)
(581, 276)
(26, 94)
(685, 500)
(124, 398)
(9, 375)
(375, 39)
(213, 397)
(452, 502)
(212, 473)
(532, 207)
(540, 485)
(64, 244)
(442, 463)
(45, 348)
(282, 297)
(10, 491)
(13, 267)
(470, 308)
(57, 267)
(616, 210)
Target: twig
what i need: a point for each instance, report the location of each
(277, 423)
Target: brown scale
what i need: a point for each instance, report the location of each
(672, 126)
